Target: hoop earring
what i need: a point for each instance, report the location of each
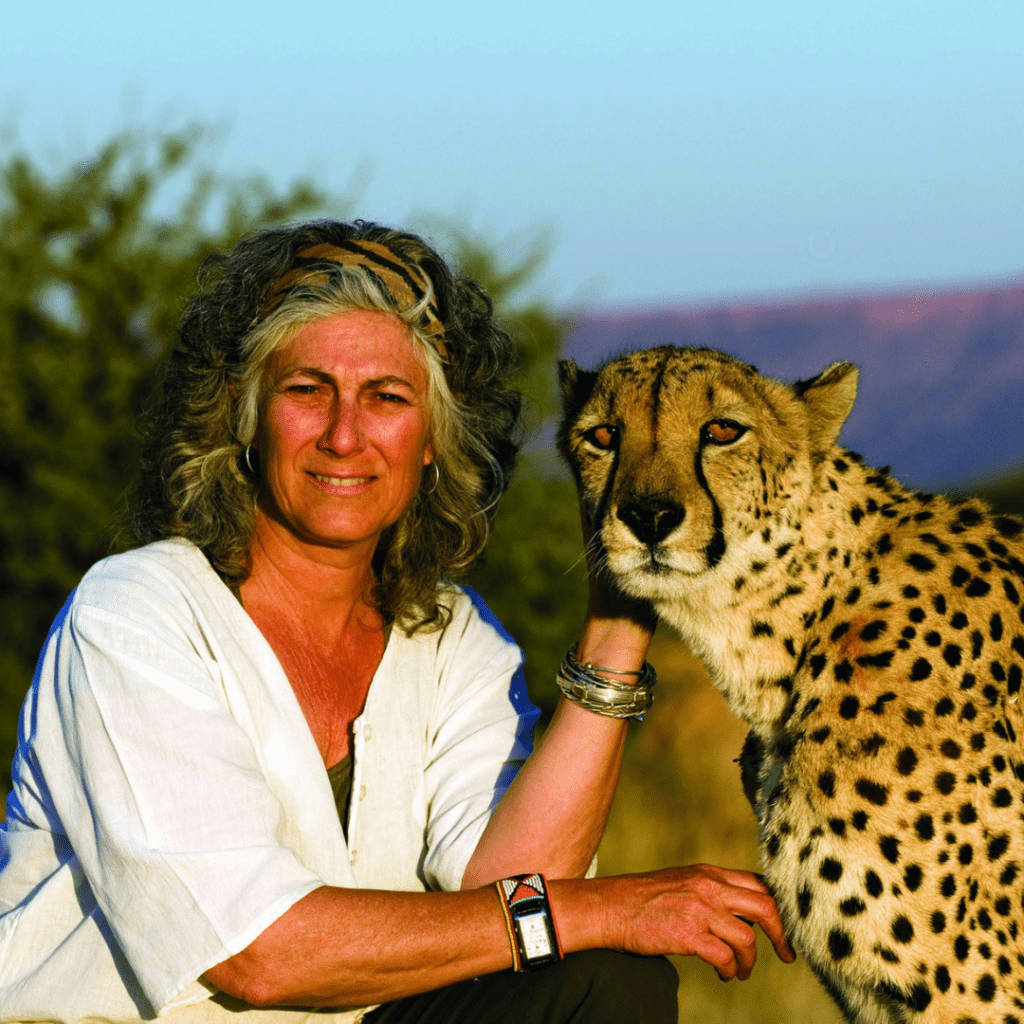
(248, 461)
(437, 478)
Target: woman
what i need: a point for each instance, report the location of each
(267, 760)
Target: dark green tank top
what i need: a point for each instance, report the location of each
(340, 776)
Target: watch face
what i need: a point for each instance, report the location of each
(533, 932)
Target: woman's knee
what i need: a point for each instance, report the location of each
(622, 988)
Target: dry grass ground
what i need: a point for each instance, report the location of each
(680, 802)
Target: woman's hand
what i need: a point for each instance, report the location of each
(701, 910)
(618, 628)
(606, 600)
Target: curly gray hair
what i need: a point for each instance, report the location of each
(193, 481)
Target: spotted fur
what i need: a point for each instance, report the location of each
(873, 640)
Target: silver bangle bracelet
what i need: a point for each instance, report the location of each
(582, 685)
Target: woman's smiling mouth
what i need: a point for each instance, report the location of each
(342, 481)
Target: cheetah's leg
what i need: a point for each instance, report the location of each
(859, 1004)
(865, 1005)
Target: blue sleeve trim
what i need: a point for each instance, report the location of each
(58, 624)
(25, 760)
(518, 695)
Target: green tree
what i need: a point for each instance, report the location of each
(95, 260)
(1006, 495)
(91, 278)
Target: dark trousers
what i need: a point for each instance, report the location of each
(598, 986)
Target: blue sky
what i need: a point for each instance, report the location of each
(681, 152)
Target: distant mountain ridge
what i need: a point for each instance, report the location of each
(942, 372)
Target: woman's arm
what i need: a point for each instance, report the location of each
(554, 813)
(350, 947)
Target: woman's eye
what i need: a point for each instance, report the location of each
(390, 396)
(723, 431)
(302, 389)
(604, 436)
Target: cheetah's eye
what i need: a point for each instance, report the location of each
(723, 431)
(604, 436)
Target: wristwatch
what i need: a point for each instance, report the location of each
(531, 928)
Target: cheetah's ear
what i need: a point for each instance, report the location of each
(829, 397)
(576, 386)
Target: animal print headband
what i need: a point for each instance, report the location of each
(405, 283)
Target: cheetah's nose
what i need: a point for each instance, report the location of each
(651, 519)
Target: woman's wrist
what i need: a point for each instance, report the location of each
(615, 643)
(610, 690)
(581, 913)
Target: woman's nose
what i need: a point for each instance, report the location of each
(343, 433)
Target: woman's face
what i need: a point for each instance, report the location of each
(343, 430)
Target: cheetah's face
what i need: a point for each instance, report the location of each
(681, 455)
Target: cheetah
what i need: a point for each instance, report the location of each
(872, 639)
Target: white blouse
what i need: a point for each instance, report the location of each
(169, 802)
